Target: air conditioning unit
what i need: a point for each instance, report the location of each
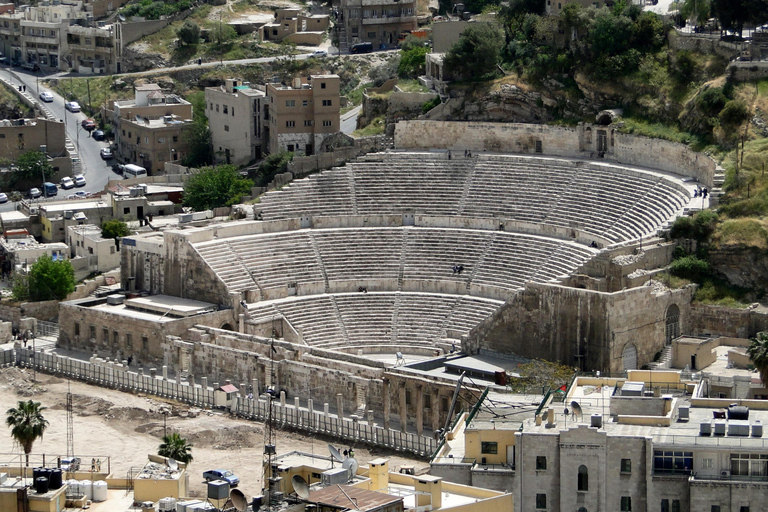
(725, 474)
(334, 476)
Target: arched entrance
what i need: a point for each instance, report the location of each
(227, 327)
(672, 329)
(629, 357)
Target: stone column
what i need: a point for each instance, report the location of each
(165, 372)
(419, 410)
(387, 402)
(340, 405)
(403, 409)
(255, 386)
(435, 405)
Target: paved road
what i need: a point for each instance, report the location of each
(96, 171)
(349, 120)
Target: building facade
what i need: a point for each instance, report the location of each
(149, 128)
(236, 117)
(303, 114)
(295, 26)
(379, 22)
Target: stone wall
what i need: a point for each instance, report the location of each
(579, 142)
(578, 327)
(736, 323)
(44, 310)
(746, 71)
(701, 43)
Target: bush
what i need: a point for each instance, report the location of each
(429, 105)
(212, 187)
(275, 163)
(699, 227)
(711, 101)
(188, 33)
(690, 267)
(734, 114)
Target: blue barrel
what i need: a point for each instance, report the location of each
(41, 485)
(55, 480)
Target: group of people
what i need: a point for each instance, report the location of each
(701, 192)
(458, 269)
(467, 154)
(362, 289)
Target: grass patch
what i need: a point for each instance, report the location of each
(673, 282)
(646, 128)
(375, 127)
(742, 232)
(719, 293)
(411, 86)
(355, 96)
(77, 89)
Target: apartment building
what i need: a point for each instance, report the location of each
(149, 128)
(92, 49)
(380, 22)
(654, 441)
(303, 114)
(236, 117)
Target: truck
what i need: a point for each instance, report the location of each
(50, 189)
(362, 48)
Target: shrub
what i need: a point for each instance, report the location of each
(429, 105)
(690, 267)
(734, 113)
(699, 227)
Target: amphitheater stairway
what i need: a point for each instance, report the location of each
(340, 319)
(320, 261)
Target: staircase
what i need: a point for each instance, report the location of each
(717, 187)
(665, 361)
(343, 45)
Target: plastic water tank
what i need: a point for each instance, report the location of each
(757, 429)
(166, 505)
(37, 473)
(99, 491)
(73, 487)
(86, 489)
(55, 479)
(41, 485)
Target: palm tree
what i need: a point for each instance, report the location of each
(176, 447)
(27, 424)
(758, 353)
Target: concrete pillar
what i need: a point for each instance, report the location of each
(191, 379)
(255, 386)
(165, 372)
(387, 403)
(403, 410)
(311, 413)
(153, 372)
(340, 405)
(204, 383)
(241, 322)
(282, 399)
(243, 390)
(419, 410)
(326, 409)
(435, 405)
(296, 403)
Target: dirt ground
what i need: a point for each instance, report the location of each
(127, 427)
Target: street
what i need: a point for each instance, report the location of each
(97, 172)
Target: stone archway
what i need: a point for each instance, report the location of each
(227, 327)
(672, 324)
(629, 357)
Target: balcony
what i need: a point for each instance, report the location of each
(389, 19)
(727, 477)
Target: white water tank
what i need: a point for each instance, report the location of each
(74, 487)
(86, 489)
(99, 491)
(166, 505)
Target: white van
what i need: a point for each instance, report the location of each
(133, 171)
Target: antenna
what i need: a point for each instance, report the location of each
(173, 464)
(576, 409)
(335, 453)
(70, 424)
(300, 486)
(238, 500)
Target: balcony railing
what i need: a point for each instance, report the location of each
(389, 19)
(728, 477)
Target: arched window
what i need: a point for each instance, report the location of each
(583, 478)
(672, 323)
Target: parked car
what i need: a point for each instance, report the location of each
(81, 194)
(72, 106)
(70, 464)
(3, 197)
(361, 48)
(46, 96)
(35, 193)
(79, 180)
(98, 135)
(30, 66)
(106, 153)
(67, 183)
(118, 168)
(88, 124)
(221, 474)
(320, 54)
(4, 60)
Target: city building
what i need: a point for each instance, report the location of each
(303, 114)
(149, 129)
(85, 241)
(19, 136)
(236, 118)
(381, 23)
(19, 250)
(296, 27)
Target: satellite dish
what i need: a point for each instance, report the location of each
(173, 464)
(300, 486)
(238, 500)
(576, 409)
(351, 466)
(336, 455)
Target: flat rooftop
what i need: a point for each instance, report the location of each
(74, 205)
(156, 308)
(296, 459)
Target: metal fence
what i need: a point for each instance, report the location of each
(304, 419)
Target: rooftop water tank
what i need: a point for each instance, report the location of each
(597, 420)
(757, 429)
(738, 412)
(100, 491)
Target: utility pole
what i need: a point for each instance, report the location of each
(221, 47)
(88, 86)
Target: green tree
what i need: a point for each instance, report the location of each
(275, 163)
(176, 447)
(512, 14)
(758, 354)
(27, 424)
(733, 14)
(734, 114)
(696, 11)
(223, 36)
(51, 280)
(200, 143)
(541, 373)
(188, 33)
(213, 187)
(33, 165)
(476, 53)
(115, 229)
(412, 61)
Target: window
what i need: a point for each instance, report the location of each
(129, 341)
(714, 508)
(668, 461)
(175, 138)
(664, 505)
(541, 501)
(144, 342)
(541, 463)
(626, 465)
(211, 106)
(489, 447)
(290, 103)
(744, 508)
(675, 505)
(217, 107)
(327, 103)
(77, 328)
(146, 140)
(539, 149)
(129, 134)
(407, 397)
(428, 401)
(105, 334)
(233, 111)
(226, 127)
(307, 122)
(161, 140)
(326, 123)
(746, 464)
(290, 124)
(305, 103)
(224, 109)
(583, 478)
(115, 337)
(126, 211)
(626, 504)
(93, 332)
(322, 85)
(372, 34)
(706, 463)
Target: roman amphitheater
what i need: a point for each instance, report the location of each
(541, 243)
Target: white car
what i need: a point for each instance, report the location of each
(3, 197)
(35, 193)
(67, 183)
(320, 54)
(72, 106)
(106, 153)
(46, 96)
(79, 180)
